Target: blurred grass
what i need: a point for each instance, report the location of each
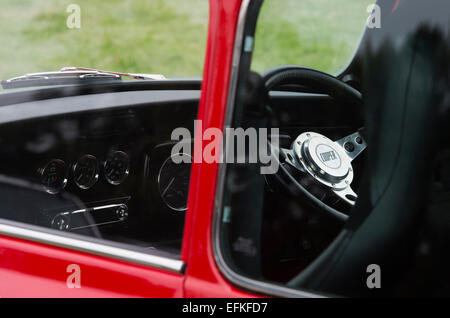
(169, 36)
(318, 33)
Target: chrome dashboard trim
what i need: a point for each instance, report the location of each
(69, 214)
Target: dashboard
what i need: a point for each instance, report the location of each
(98, 165)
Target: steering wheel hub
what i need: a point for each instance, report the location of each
(323, 159)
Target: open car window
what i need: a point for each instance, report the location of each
(285, 131)
(269, 231)
(327, 188)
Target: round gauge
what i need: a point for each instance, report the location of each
(117, 167)
(54, 176)
(173, 181)
(85, 172)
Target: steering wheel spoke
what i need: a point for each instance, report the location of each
(353, 144)
(289, 157)
(347, 194)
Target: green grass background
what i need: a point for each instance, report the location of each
(169, 36)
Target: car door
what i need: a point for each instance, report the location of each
(289, 235)
(90, 202)
(35, 265)
(203, 279)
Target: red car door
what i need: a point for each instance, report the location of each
(36, 263)
(203, 278)
(39, 263)
(31, 269)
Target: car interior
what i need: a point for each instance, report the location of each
(93, 160)
(377, 125)
(364, 172)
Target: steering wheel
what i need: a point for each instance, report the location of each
(328, 162)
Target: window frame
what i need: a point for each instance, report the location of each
(246, 27)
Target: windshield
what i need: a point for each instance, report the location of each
(165, 37)
(168, 37)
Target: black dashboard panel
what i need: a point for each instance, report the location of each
(85, 132)
(89, 134)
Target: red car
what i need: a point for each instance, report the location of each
(346, 192)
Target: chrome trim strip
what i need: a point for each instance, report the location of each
(88, 211)
(242, 281)
(93, 248)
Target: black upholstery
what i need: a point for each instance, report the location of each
(405, 64)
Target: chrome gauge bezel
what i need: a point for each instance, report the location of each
(94, 178)
(55, 190)
(126, 172)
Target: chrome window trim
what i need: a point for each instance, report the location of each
(237, 279)
(29, 233)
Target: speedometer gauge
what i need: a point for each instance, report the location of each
(173, 182)
(85, 172)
